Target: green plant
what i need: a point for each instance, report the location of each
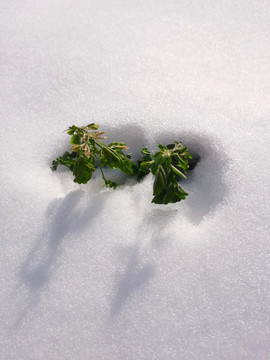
(88, 152)
(167, 165)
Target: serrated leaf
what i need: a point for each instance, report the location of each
(68, 160)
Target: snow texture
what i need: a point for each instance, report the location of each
(92, 273)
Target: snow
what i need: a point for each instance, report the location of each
(92, 273)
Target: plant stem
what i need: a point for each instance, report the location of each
(100, 144)
(100, 168)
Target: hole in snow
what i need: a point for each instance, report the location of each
(205, 183)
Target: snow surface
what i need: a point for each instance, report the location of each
(92, 273)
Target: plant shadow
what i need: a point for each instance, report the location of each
(139, 272)
(65, 216)
(205, 185)
(207, 190)
(136, 276)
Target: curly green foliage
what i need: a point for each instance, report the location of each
(89, 152)
(167, 165)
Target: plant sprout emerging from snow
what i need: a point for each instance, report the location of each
(168, 165)
(88, 151)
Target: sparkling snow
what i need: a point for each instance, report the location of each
(92, 273)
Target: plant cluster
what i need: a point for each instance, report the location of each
(167, 165)
(88, 152)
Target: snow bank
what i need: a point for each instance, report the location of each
(92, 273)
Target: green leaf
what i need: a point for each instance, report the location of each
(145, 165)
(169, 194)
(162, 147)
(158, 199)
(180, 150)
(145, 151)
(160, 180)
(71, 130)
(83, 170)
(110, 184)
(154, 168)
(110, 156)
(92, 126)
(116, 159)
(177, 172)
(179, 192)
(75, 139)
(159, 158)
(141, 173)
(125, 165)
(68, 160)
(118, 145)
